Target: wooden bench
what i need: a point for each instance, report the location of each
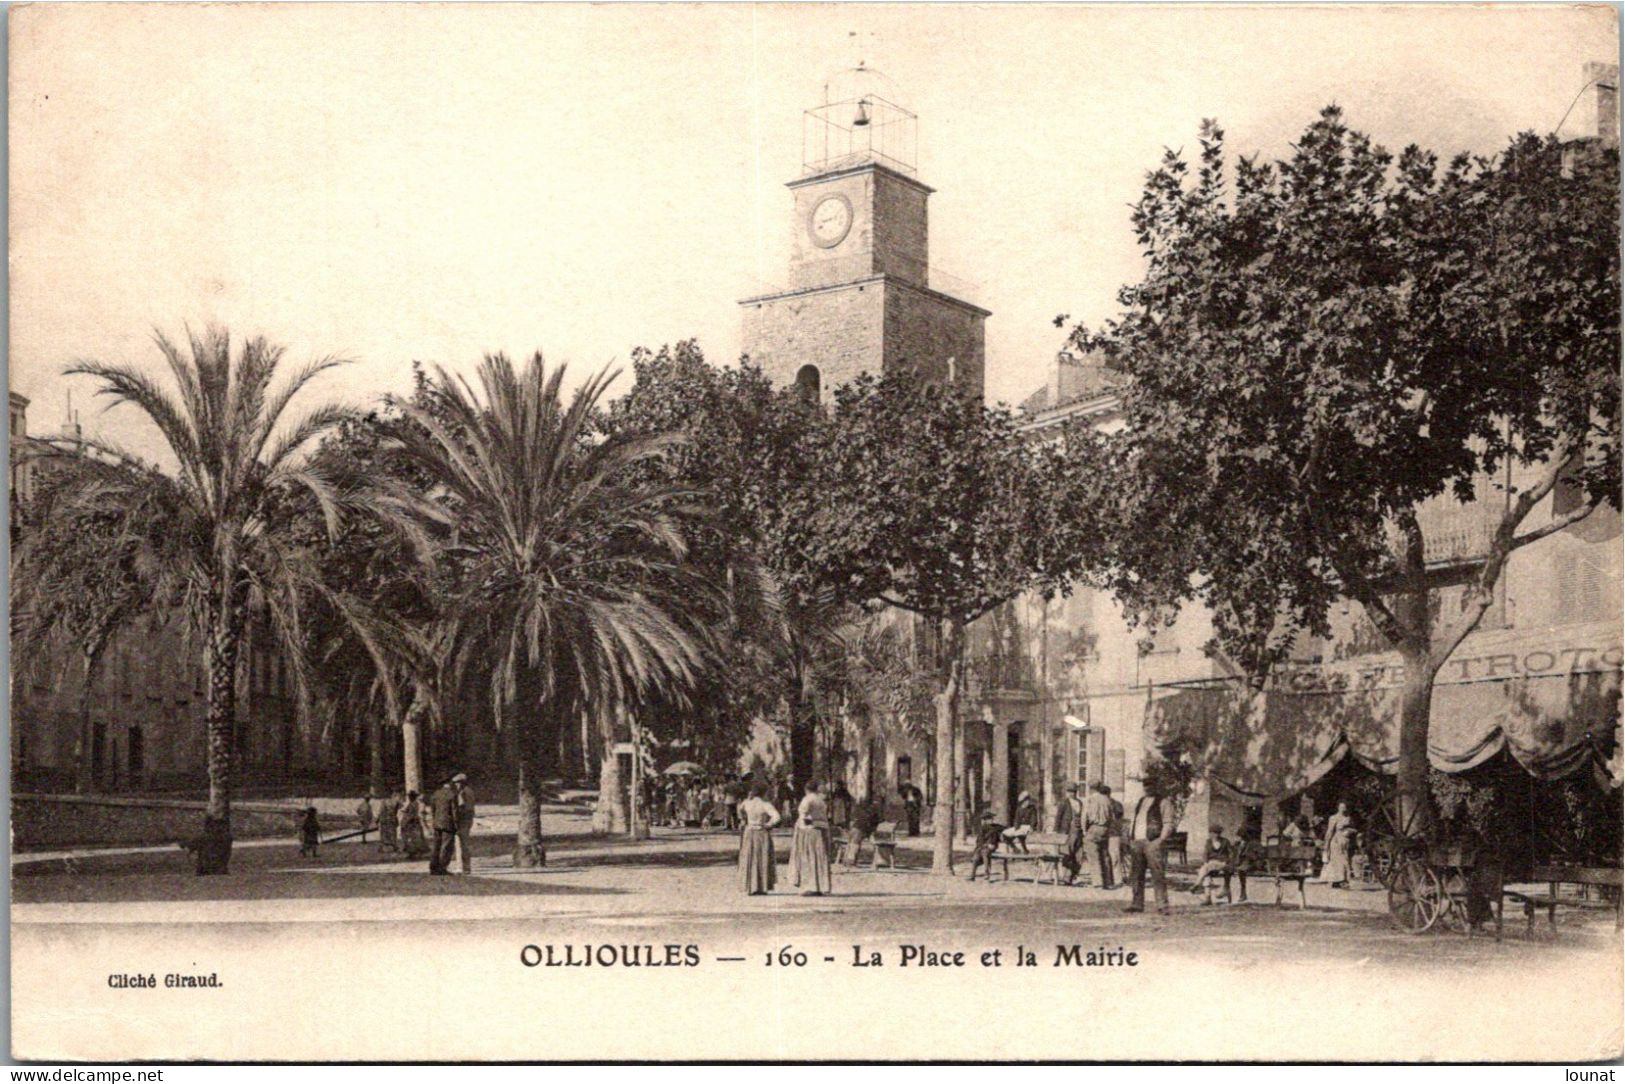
(885, 844)
(1044, 849)
(1593, 876)
(1241, 862)
(1288, 862)
(883, 839)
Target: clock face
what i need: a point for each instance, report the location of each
(830, 220)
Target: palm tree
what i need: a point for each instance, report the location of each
(574, 589)
(809, 646)
(76, 581)
(226, 527)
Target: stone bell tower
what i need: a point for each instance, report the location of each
(860, 295)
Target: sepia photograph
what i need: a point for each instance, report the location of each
(815, 532)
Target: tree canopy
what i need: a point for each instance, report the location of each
(1322, 344)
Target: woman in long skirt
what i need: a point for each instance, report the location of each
(410, 821)
(1339, 840)
(758, 818)
(389, 823)
(809, 859)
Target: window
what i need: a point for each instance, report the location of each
(1088, 755)
(137, 750)
(808, 383)
(1567, 495)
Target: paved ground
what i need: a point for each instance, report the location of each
(1255, 964)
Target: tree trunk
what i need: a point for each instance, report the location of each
(214, 850)
(947, 705)
(1415, 614)
(1415, 710)
(82, 780)
(375, 754)
(610, 816)
(803, 744)
(525, 720)
(866, 758)
(411, 762)
(570, 759)
(528, 852)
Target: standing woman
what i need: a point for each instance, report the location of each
(389, 823)
(758, 816)
(809, 858)
(410, 816)
(1339, 844)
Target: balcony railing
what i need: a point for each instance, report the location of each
(1453, 533)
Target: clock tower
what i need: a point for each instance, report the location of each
(860, 295)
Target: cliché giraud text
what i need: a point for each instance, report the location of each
(672, 955)
(172, 981)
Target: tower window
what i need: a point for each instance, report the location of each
(807, 383)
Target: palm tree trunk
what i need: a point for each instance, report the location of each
(214, 854)
(82, 781)
(412, 766)
(803, 744)
(525, 717)
(609, 816)
(375, 753)
(528, 851)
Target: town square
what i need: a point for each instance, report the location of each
(640, 513)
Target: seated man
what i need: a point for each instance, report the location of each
(1224, 859)
(1215, 864)
(1026, 822)
(865, 819)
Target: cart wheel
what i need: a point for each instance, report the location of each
(1415, 898)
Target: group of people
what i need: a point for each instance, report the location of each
(1093, 827)
(809, 848)
(1225, 858)
(1098, 832)
(438, 827)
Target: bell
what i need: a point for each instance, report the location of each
(862, 119)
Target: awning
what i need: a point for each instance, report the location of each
(1550, 697)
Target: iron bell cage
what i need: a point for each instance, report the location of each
(858, 130)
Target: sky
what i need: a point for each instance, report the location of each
(432, 182)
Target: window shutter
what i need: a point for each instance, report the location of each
(1115, 770)
(1097, 755)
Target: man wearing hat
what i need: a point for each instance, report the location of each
(1026, 821)
(443, 808)
(1069, 823)
(1097, 821)
(465, 819)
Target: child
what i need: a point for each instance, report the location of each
(310, 833)
(988, 837)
